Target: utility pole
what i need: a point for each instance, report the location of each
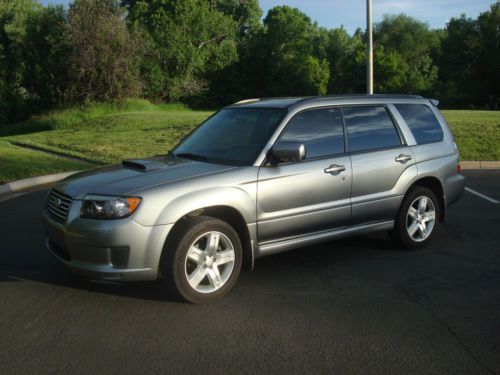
(369, 52)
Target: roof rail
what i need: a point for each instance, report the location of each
(434, 102)
(353, 96)
(247, 101)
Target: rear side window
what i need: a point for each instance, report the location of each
(422, 123)
(320, 130)
(370, 128)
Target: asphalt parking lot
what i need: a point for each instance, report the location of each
(358, 305)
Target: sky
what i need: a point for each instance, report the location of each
(351, 13)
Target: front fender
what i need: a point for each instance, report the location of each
(234, 197)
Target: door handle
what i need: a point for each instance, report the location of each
(335, 169)
(402, 158)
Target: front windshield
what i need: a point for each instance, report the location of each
(232, 136)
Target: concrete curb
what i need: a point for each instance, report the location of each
(26, 183)
(466, 164)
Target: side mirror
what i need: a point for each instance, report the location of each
(286, 152)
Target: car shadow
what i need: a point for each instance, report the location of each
(23, 256)
(48, 270)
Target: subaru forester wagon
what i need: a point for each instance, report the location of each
(259, 177)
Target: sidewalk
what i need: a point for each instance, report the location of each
(26, 183)
(480, 164)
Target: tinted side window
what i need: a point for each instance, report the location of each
(369, 128)
(320, 131)
(422, 122)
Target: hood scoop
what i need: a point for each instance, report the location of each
(142, 165)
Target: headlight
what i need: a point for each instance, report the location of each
(108, 207)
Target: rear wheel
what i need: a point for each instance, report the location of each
(418, 218)
(203, 260)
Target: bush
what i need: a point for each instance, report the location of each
(32, 68)
(105, 56)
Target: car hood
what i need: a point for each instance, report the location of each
(132, 175)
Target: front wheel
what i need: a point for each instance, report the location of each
(418, 218)
(203, 260)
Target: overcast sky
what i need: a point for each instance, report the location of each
(351, 13)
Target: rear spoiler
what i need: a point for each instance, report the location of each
(434, 102)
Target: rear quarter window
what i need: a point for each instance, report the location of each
(422, 122)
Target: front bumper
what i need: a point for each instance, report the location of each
(106, 249)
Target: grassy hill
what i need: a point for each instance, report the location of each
(108, 133)
(99, 134)
(477, 133)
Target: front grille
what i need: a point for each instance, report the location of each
(58, 205)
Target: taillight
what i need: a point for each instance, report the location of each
(459, 169)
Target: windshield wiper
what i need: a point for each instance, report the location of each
(189, 155)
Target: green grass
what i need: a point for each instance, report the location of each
(101, 133)
(477, 133)
(68, 118)
(109, 133)
(111, 138)
(17, 163)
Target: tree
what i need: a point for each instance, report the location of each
(13, 21)
(213, 52)
(187, 42)
(283, 56)
(346, 56)
(413, 41)
(488, 24)
(46, 56)
(391, 71)
(32, 58)
(105, 56)
(457, 61)
(246, 13)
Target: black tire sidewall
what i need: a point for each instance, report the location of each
(173, 268)
(400, 230)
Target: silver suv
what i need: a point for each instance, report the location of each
(259, 177)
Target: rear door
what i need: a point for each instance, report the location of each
(296, 199)
(379, 159)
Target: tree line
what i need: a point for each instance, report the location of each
(212, 52)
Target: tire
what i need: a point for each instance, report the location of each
(202, 260)
(417, 223)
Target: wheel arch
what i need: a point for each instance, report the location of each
(225, 213)
(435, 185)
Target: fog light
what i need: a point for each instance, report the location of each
(119, 257)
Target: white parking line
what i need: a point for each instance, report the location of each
(482, 195)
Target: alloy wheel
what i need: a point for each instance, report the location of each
(209, 262)
(420, 218)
